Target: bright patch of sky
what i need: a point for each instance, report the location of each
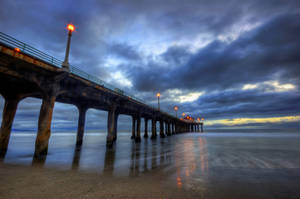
(270, 86)
(237, 30)
(183, 96)
(242, 121)
(120, 79)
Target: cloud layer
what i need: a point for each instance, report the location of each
(216, 60)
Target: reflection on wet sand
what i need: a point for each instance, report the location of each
(194, 154)
(141, 154)
(201, 163)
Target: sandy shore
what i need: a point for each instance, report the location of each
(35, 182)
(214, 166)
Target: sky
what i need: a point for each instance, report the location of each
(234, 63)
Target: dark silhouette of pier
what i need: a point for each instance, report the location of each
(28, 72)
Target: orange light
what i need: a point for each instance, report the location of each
(183, 114)
(17, 49)
(202, 118)
(158, 94)
(71, 27)
(175, 108)
(198, 119)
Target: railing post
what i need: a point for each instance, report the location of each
(24, 46)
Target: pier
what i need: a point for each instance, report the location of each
(28, 72)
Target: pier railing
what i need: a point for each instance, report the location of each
(31, 51)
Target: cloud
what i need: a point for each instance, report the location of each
(234, 60)
(258, 55)
(270, 86)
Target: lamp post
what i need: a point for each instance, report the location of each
(65, 64)
(176, 109)
(158, 96)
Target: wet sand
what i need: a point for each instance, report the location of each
(34, 182)
(208, 166)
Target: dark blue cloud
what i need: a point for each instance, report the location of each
(155, 45)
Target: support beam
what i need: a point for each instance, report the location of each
(168, 129)
(174, 128)
(161, 125)
(111, 122)
(8, 115)
(153, 136)
(116, 127)
(81, 123)
(202, 128)
(146, 128)
(133, 128)
(44, 126)
(138, 129)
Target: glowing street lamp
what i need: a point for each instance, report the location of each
(70, 28)
(176, 109)
(183, 114)
(158, 96)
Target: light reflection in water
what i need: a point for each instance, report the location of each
(187, 158)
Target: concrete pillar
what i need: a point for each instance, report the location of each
(202, 128)
(81, 123)
(111, 123)
(8, 115)
(44, 126)
(146, 128)
(116, 127)
(174, 128)
(168, 129)
(133, 128)
(138, 130)
(153, 136)
(161, 125)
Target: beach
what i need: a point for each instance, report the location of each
(192, 165)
